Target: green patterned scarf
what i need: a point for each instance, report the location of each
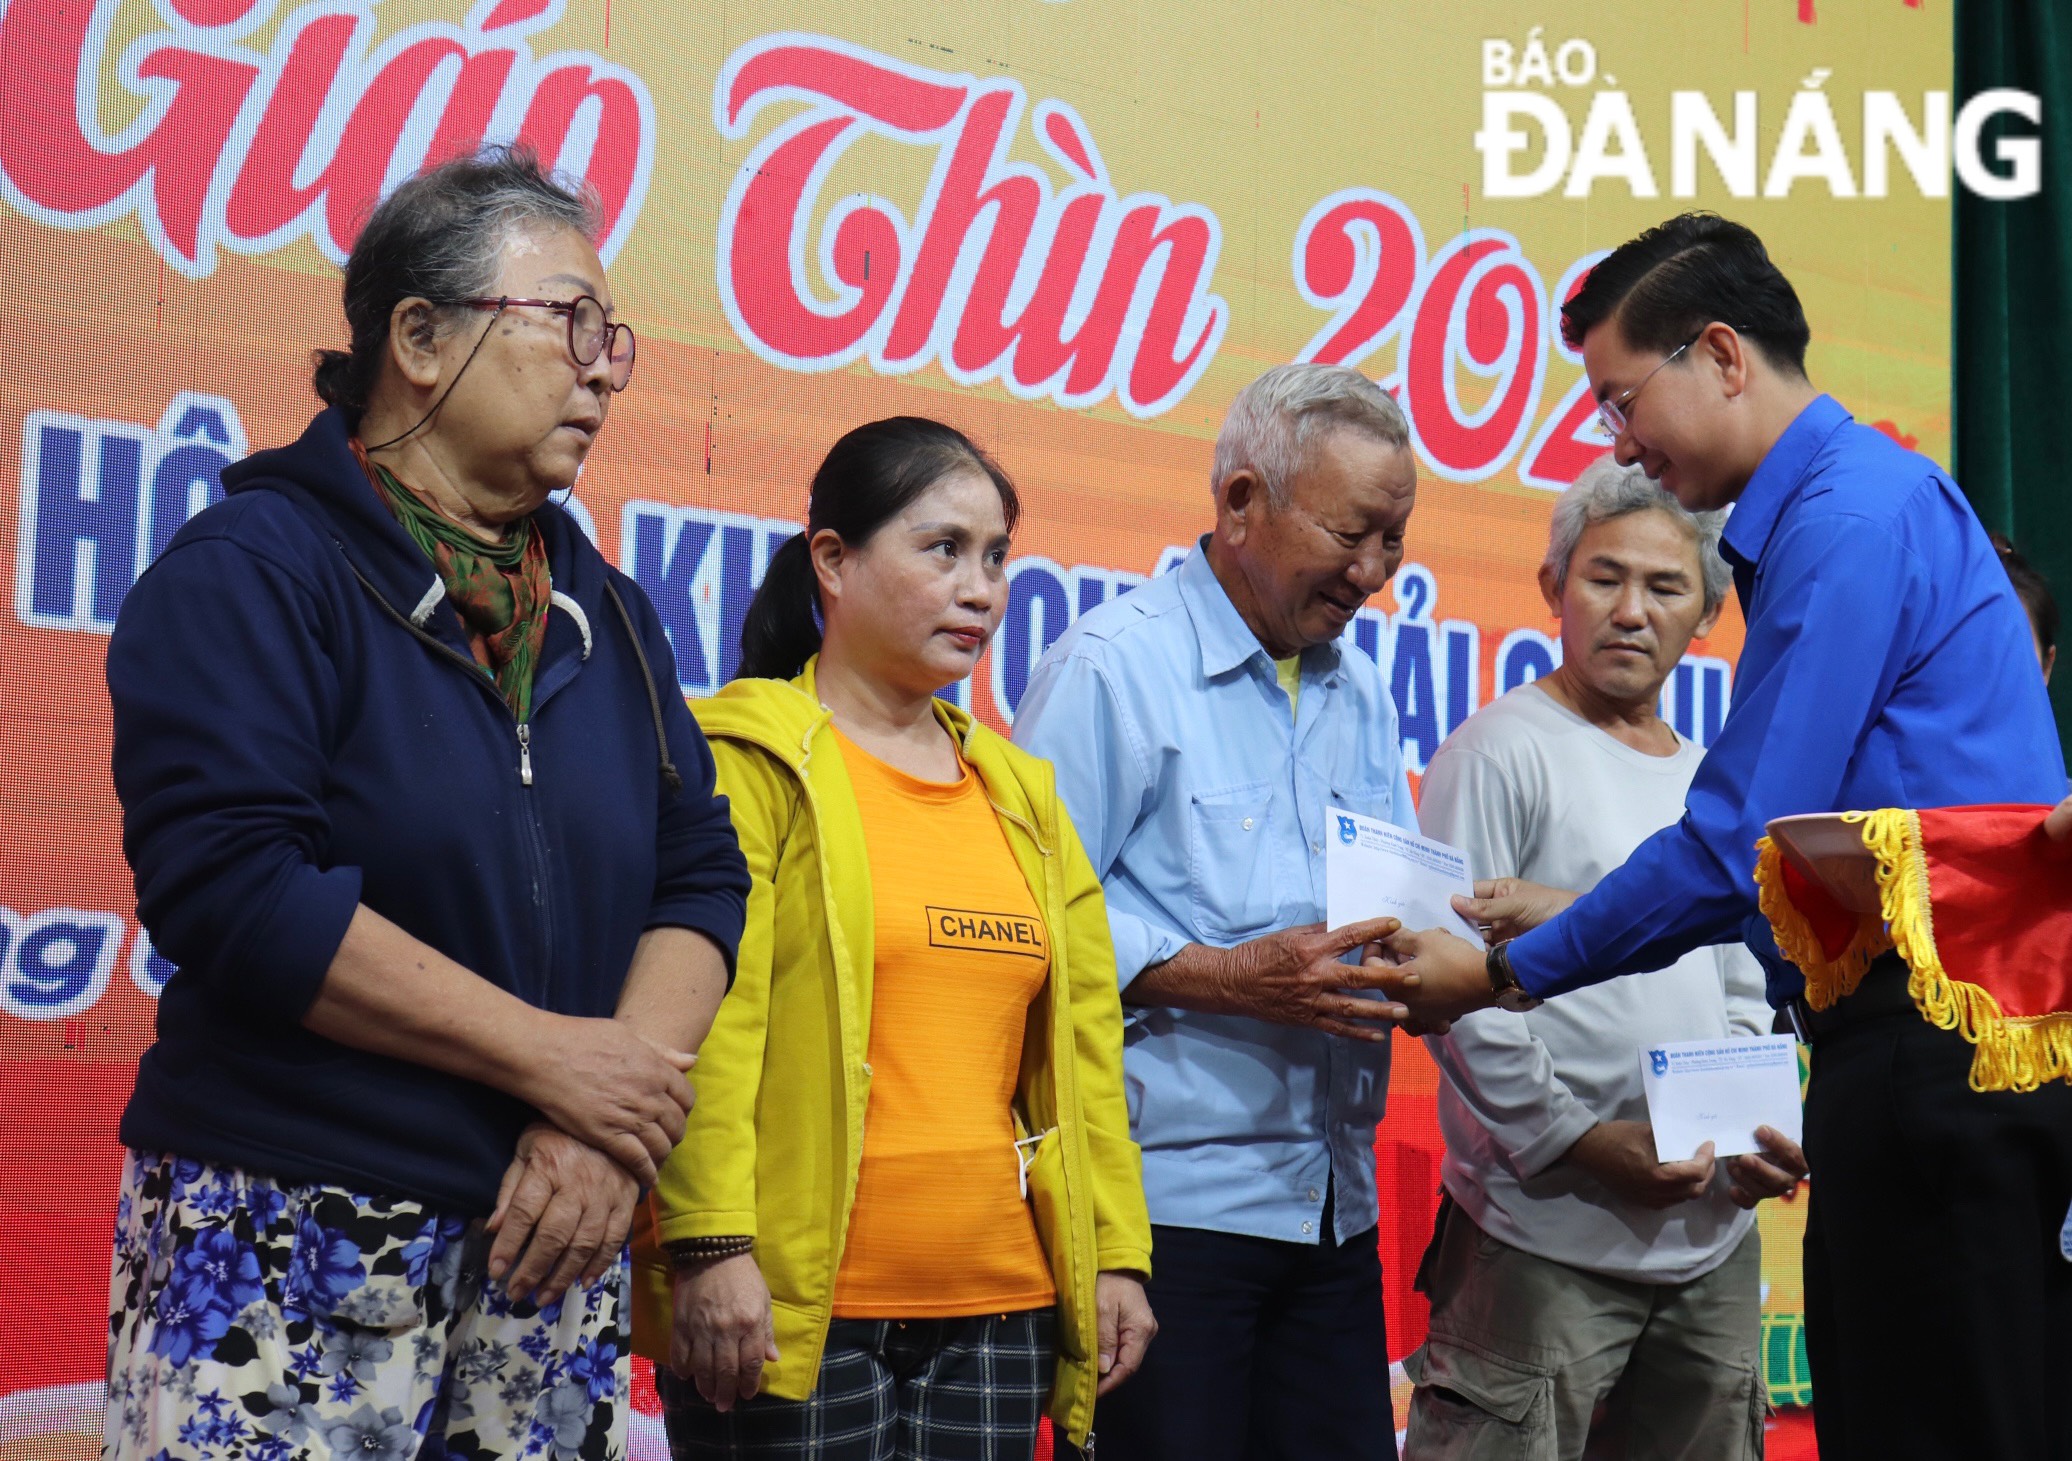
(501, 590)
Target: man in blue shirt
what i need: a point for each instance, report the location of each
(1887, 663)
(1200, 726)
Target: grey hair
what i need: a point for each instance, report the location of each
(1275, 423)
(1606, 491)
(440, 236)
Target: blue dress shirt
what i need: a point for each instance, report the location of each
(1201, 803)
(1888, 663)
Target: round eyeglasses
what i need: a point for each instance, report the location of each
(590, 333)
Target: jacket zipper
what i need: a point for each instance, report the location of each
(536, 847)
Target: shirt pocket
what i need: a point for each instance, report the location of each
(1376, 799)
(1230, 860)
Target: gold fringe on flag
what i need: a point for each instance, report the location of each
(2012, 1052)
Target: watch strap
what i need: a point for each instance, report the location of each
(1498, 962)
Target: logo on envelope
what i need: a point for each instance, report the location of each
(1347, 830)
(1659, 1059)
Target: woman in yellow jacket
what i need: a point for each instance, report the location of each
(906, 1216)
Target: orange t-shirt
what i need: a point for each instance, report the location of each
(940, 1228)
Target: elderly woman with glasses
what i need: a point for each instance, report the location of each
(414, 804)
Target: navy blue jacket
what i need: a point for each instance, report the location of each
(289, 744)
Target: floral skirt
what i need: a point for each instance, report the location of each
(254, 1322)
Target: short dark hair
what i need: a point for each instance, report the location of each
(2032, 588)
(1663, 287)
(868, 478)
(440, 236)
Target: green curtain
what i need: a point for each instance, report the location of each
(2012, 352)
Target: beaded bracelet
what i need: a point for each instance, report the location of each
(684, 1252)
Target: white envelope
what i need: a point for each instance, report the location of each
(1374, 869)
(1720, 1091)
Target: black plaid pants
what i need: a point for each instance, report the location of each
(889, 1390)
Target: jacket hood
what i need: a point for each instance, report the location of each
(319, 472)
(783, 716)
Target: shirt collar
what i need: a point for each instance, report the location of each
(1777, 478)
(1226, 640)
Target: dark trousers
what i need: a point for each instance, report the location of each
(1266, 1351)
(1938, 1307)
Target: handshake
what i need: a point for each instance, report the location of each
(1435, 977)
(1422, 981)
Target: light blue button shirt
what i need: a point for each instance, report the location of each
(1202, 806)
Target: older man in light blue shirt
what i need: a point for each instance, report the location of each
(1200, 726)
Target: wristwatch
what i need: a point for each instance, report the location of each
(1510, 994)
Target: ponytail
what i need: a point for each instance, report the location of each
(343, 379)
(782, 629)
(867, 479)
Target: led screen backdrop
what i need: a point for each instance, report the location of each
(1074, 229)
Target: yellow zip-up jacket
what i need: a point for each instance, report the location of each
(772, 1147)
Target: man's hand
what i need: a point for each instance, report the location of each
(1780, 1168)
(1435, 976)
(604, 1085)
(1507, 907)
(1290, 977)
(1125, 1329)
(1294, 977)
(1621, 1155)
(723, 1334)
(566, 1207)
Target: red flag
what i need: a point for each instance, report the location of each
(1978, 902)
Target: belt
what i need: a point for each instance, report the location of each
(1881, 995)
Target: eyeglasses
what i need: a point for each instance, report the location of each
(1611, 413)
(590, 334)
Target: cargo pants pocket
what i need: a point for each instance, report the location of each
(1474, 1406)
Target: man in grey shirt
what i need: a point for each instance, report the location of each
(1569, 1269)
